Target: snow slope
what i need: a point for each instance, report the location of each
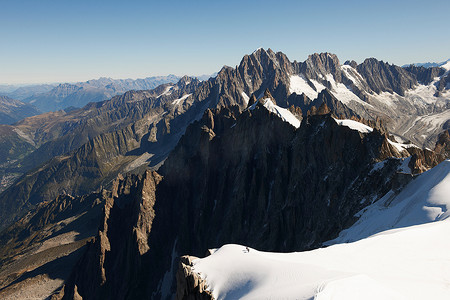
(180, 100)
(298, 84)
(283, 113)
(426, 199)
(409, 262)
(354, 125)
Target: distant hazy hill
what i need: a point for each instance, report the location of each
(79, 94)
(428, 64)
(26, 91)
(12, 110)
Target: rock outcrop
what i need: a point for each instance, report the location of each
(40, 250)
(234, 177)
(254, 179)
(114, 262)
(190, 286)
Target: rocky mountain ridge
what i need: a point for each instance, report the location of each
(275, 189)
(349, 91)
(98, 142)
(79, 94)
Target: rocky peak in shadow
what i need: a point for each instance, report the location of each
(116, 260)
(240, 177)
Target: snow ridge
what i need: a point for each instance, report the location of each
(354, 125)
(283, 113)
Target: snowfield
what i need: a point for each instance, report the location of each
(283, 113)
(354, 125)
(299, 85)
(180, 100)
(408, 258)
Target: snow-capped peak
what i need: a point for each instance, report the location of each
(283, 113)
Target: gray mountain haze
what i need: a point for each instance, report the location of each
(12, 110)
(25, 91)
(118, 189)
(428, 64)
(79, 94)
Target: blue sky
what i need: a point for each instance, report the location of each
(62, 40)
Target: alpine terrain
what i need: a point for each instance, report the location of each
(274, 179)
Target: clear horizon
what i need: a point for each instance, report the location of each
(51, 42)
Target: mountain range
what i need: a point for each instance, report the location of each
(12, 110)
(77, 95)
(273, 154)
(428, 64)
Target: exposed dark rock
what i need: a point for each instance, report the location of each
(443, 145)
(189, 284)
(381, 76)
(334, 105)
(280, 190)
(114, 262)
(425, 75)
(41, 249)
(234, 177)
(252, 100)
(351, 63)
(318, 65)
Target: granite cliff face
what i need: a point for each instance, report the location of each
(190, 286)
(117, 259)
(248, 178)
(235, 175)
(370, 90)
(89, 147)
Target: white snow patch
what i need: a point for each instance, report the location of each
(387, 98)
(283, 113)
(401, 147)
(446, 66)
(354, 125)
(350, 72)
(180, 100)
(342, 93)
(167, 91)
(423, 94)
(298, 85)
(245, 97)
